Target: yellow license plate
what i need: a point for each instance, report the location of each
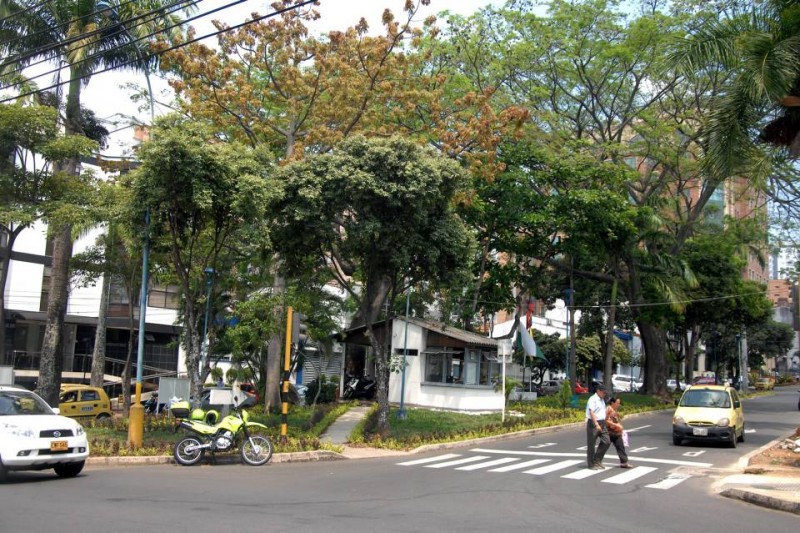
(58, 446)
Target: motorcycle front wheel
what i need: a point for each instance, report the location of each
(256, 450)
(185, 455)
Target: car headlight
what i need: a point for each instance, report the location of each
(678, 421)
(18, 431)
(723, 422)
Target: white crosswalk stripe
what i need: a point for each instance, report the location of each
(520, 466)
(458, 461)
(542, 470)
(583, 473)
(430, 459)
(554, 464)
(487, 464)
(668, 482)
(629, 475)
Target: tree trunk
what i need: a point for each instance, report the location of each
(52, 358)
(654, 340)
(99, 352)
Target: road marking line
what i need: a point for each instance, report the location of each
(487, 464)
(637, 429)
(630, 475)
(458, 462)
(557, 454)
(668, 482)
(582, 474)
(430, 459)
(520, 466)
(552, 468)
(543, 445)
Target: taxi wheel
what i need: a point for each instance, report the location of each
(732, 441)
(677, 441)
(103, 416)
(3, 471)
(741, 437)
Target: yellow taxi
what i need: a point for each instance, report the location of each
(765, 383)
(77, 401)
(709, 413)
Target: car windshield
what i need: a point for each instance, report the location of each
(706, 398)
(18, 402)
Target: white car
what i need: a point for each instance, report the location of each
(671, 385)
(625, 383)
(34, 437)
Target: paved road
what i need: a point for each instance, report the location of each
(489, 489)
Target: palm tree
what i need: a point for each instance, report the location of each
(85, 35)
(759, 48)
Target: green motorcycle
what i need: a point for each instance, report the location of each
(232, 431)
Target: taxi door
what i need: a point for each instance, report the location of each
(89, 403)
(68, 403)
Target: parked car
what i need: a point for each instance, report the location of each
(709, 412)
(623, 383)
(34, 437)
(580, 389)
(549, 387)
(672, 385)
(77, 401)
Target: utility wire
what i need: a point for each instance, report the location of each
(175, 47)
(123, 29)
(140, 60)
(51, 28)
(21, 11)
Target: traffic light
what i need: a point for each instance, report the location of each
(299, 329)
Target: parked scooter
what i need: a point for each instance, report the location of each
(231, 432)
(359, 387)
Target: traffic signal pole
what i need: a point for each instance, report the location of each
(287, 359)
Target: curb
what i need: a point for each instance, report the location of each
(762, 500)
(291, 457)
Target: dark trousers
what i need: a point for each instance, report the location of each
(616, 440)
(595, 456)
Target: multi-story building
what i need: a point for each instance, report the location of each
(26, 296)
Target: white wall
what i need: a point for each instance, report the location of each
(442, 396)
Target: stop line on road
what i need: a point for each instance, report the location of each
(566, 464)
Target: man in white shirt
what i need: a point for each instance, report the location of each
(596, 428)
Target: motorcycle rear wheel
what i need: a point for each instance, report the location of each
(188, 458)
(257, 453)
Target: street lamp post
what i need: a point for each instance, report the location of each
(401, 413)
(204, 349)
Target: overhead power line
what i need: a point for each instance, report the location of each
(60, 24)
(21, 11)
(124, 28)
(139, 60)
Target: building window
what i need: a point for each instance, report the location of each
(470, 367)
(164, 296)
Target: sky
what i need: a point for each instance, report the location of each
(106, 97)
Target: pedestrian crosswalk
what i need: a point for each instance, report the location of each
(556, 464)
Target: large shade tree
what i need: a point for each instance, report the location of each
(378, 215)
(86, 35)
(205, 219)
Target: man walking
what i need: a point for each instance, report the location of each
(596, 428)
